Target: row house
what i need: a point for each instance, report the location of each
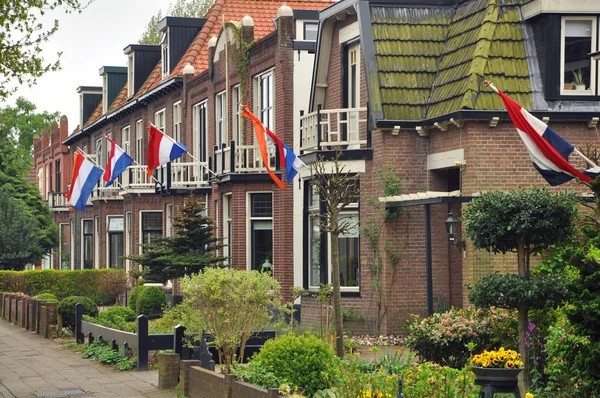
(399, 87)
(189, 87)
(52, 169)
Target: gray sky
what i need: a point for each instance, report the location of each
(88, 41)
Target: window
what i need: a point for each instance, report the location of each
(65, 246)
(125, 136)
(115, 241)
(104, 94)
(353, 76)
(177, 121)
(159, 120)
(348, 250)
(314, 238)
(130, 82)
(88, 244)
(578, 39)
(98, 151)
(128, 242)
(97, 241)
(220, 119)
(151, 226)
(265, 98)
(261, 231)
(236, 114)
(310, 30)
(199, 122)
(50, 186)
(164, 43)
(227, 226)
(169, 220)
(58, 176)
(139, 141)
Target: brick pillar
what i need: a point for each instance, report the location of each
(41, 317)
(168, 370)
(6, 307)
(30, 313)
(23, 312)
(2, 305)
(13, 309)
(184, 375)
(50, 329)
(229, 379)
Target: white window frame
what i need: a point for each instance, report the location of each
(127, 262)
(227, 226)
(347, 211)
(164, 51)
(98, 151)
(177, 126)
(200, 126)
(97, 242)
(168, 220)
(593, 63)
(314, 212)
(221, 119)
(139, 141)
(264, 89)
(249, 220)
(61, 243)
(236, 115)
(125, 138)
(160, 120)
(130, 75)
(104, 94)
(108, 233)
(141, 234)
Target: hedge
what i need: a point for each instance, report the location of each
(58, 282)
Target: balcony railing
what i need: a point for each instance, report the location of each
(57, 200)
(182, 175)
(331, 129)
(242, 159)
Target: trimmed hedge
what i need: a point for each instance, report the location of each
(66, 309)
(59, 283)
(133, 297)
(150, 301)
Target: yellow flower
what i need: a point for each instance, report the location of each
(529, 395)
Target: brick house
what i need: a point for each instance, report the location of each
(399, 85)
(52, 169)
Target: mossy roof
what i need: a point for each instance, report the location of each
(433, 61)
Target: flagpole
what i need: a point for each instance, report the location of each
(85, 155)
(186, 151)
(151, 176)
(581, 155)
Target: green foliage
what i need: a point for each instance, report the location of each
(114, 313)
(126, 364)
(171, 318)
(133, 297)
(102, 351)
(47, 297)
(60, 283)
(66, 309)
(151, 301)
(299, 361)
(497, 221)
(23, 34)
(189, 251)
(444, 338)
(512, 291)
(433, 380)
(256, 375)
(230, 303)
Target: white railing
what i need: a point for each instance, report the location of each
(57, 200)
(334, 129)
(189, 174)
(102, 192)
(248, 159)
(136, 177)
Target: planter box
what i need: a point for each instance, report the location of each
(493, 380)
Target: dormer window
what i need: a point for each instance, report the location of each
(130, 81)
(578, 40)
(164, 43)
(310, 31)
(104, 94)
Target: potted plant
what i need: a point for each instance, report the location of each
(497, 370)
(578, 80)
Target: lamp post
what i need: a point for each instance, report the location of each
(451, 227)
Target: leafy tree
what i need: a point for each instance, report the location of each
(337, 188)
(189, 251)
(525, 222)
(22, 38)
(20, 123)
(180, 8)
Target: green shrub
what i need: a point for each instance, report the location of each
(60, 283)
(133, 297)
(171, 318)
(66, 309)
(150, 301)
(49, 297)
(103, 352)
(296, 360)
(443, 337)
(113, 313)
(433, 380)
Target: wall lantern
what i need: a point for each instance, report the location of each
(451, 227)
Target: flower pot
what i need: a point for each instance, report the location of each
(496, 377)
(580, 87)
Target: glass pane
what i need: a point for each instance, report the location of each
(88, 227)
(115, 224)
(88, 250)
(262, 205)
(578, 44)
(65, 246)
(310, 31)
(348, 250)
(116, 250)
(262, 245)
(152, 221)
(315, 247)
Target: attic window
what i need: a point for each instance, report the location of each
(310, 30)
(104, 94)
(578, 39)
(164, 43)
(130, 82)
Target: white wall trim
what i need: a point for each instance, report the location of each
(445, 160)
(349, 32)
(537, 7)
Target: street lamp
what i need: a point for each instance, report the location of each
(451, 227)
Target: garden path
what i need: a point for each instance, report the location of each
(32, 366)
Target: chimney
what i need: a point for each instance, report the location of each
(141, 61)
(285, 26)
(212, 47)
(89, 98)
(64, 132)
(247, 29)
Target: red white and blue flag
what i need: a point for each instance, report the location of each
(162, 149)
(85, 177)
(118, 162)
(548, 151)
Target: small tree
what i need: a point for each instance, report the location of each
(113, 284)
(231, 304)
(525, 221)
(189, 251)
(337, 188)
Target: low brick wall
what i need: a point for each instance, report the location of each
(197, 382)
(29, 313)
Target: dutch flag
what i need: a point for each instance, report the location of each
(118, 162)
(85, 177)
(162, 149)
(548, 151)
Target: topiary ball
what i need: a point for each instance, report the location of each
(48, 297)
(66, 309)
(150, 301)
(135, 292)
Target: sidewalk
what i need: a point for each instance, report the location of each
(31, 366)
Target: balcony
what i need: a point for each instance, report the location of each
(181, 176)
(331, 130)
(243, 162)
(57, 201)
